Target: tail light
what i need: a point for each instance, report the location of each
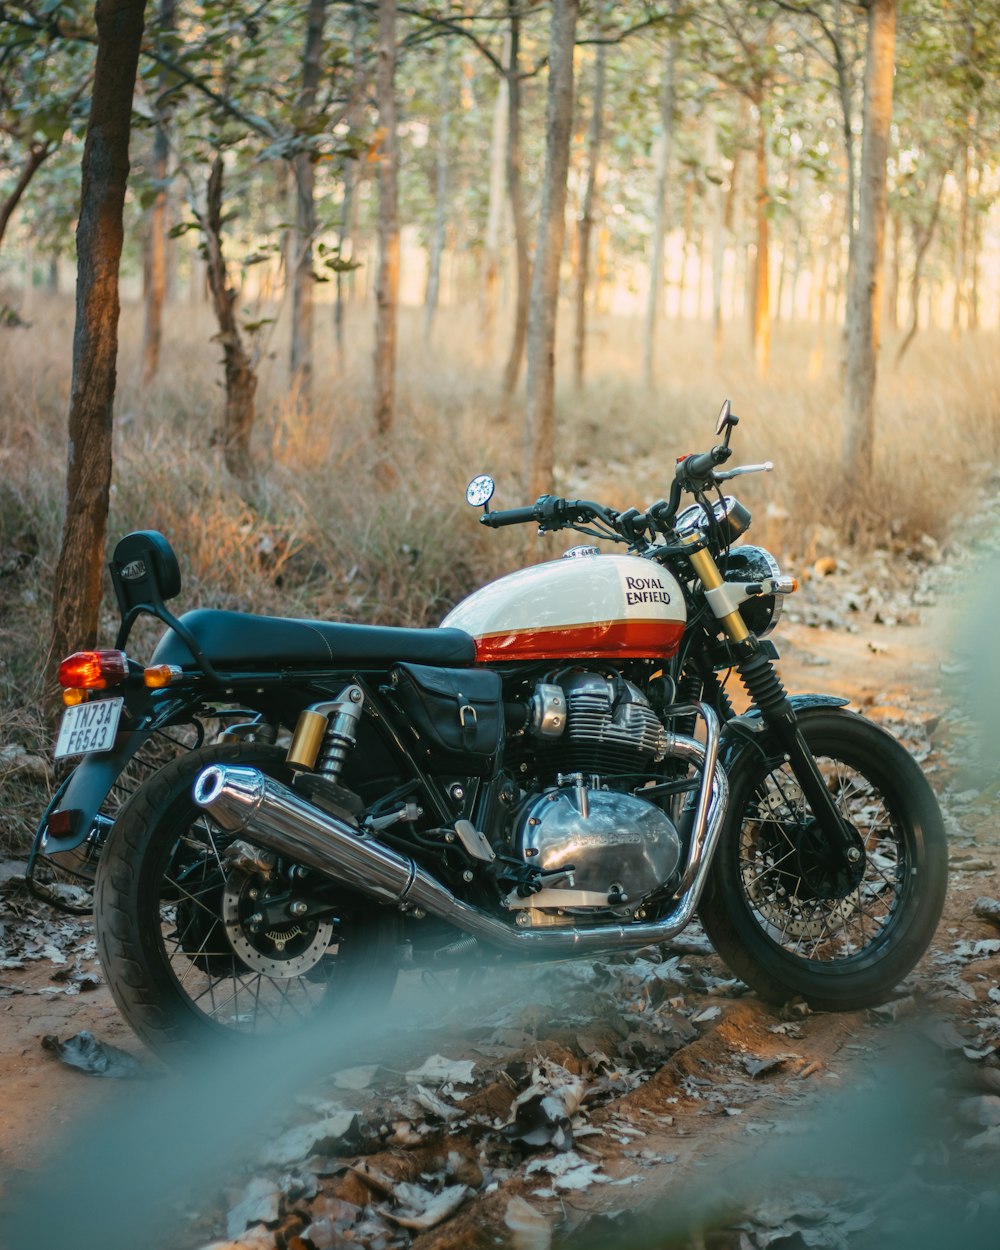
(93, 670)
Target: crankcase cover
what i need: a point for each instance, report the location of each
(615, 843)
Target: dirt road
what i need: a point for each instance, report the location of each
(661, 1066)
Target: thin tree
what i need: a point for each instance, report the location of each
(587, 215)
(158, 225)
(442, 191)
(241, 379)
(38, 153)
(387, 280)
(515, 189)
(922, 236)
(494, 216)
(303, 283)
(540, 394)
(664, 150)
(865, 297)
(99, 235)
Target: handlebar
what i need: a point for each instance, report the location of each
(698, 471)
(550, 512)
(509, 516)
(694, 474)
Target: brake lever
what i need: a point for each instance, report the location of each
(726, 474)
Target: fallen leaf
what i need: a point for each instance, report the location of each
(529, 1228)
(437, 1070)
(421, 1208)
(306, 1139)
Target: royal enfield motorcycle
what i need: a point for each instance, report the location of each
(555, 772)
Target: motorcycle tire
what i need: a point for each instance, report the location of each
(175, 973)
(769, 912)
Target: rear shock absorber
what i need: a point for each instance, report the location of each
(325, 734)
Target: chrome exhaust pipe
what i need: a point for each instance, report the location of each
(244, 800)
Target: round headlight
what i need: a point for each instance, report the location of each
(754, 564)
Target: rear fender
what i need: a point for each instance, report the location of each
(82, 795)
(84, 791)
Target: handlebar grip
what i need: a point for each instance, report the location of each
(509, 516)
(699, 467)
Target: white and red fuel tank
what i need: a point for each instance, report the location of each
(588, 607)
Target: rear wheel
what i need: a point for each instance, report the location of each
(204, 936)
(774, 911)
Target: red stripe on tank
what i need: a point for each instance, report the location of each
(603, 640)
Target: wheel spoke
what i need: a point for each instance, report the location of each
(774, 847)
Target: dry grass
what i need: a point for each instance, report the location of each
(318, 539)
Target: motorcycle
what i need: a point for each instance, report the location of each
(555, 772)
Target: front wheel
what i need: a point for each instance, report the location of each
(769, 907)
(204, 937)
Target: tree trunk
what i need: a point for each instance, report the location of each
(587, 217)
(352, 181)
(303, 283)
(762, 280)
(540, 396)
(845, 93)
(865, 296)
(158, 226)
(976, 249)
(654, 297)
(494, 217)
(515, 189)
(961, 239)
(441, 193)
(921, 242)
(718, 211)
(241, 380)
(387, 279)
(892, 302)
(726, 233)
(38, 153)
(76, 596)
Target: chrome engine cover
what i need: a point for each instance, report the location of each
(620, 848)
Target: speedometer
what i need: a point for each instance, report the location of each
(729, 513)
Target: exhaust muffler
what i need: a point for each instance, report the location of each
(245, 800)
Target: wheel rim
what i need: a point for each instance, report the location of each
(220, 970)
(779, 886)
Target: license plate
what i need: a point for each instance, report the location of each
(88, 727)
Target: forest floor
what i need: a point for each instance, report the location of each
(626, 1101)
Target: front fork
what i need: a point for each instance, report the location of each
(840, 844)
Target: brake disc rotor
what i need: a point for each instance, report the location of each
(797, 918)
(287, 949)
(784, 885)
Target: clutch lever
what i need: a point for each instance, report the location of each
(726, 474)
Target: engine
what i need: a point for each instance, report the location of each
(600, 846)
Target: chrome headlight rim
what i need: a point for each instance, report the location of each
(748, 563)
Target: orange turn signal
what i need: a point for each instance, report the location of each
(93, 670)
(160, 675)
(73, 696)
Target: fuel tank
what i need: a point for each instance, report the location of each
(592, 607)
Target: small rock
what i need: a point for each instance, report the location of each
(987, 909)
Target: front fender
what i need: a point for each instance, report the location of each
(748, 732)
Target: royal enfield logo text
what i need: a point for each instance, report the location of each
(645, 590)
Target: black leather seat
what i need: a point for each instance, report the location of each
(237, 640)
